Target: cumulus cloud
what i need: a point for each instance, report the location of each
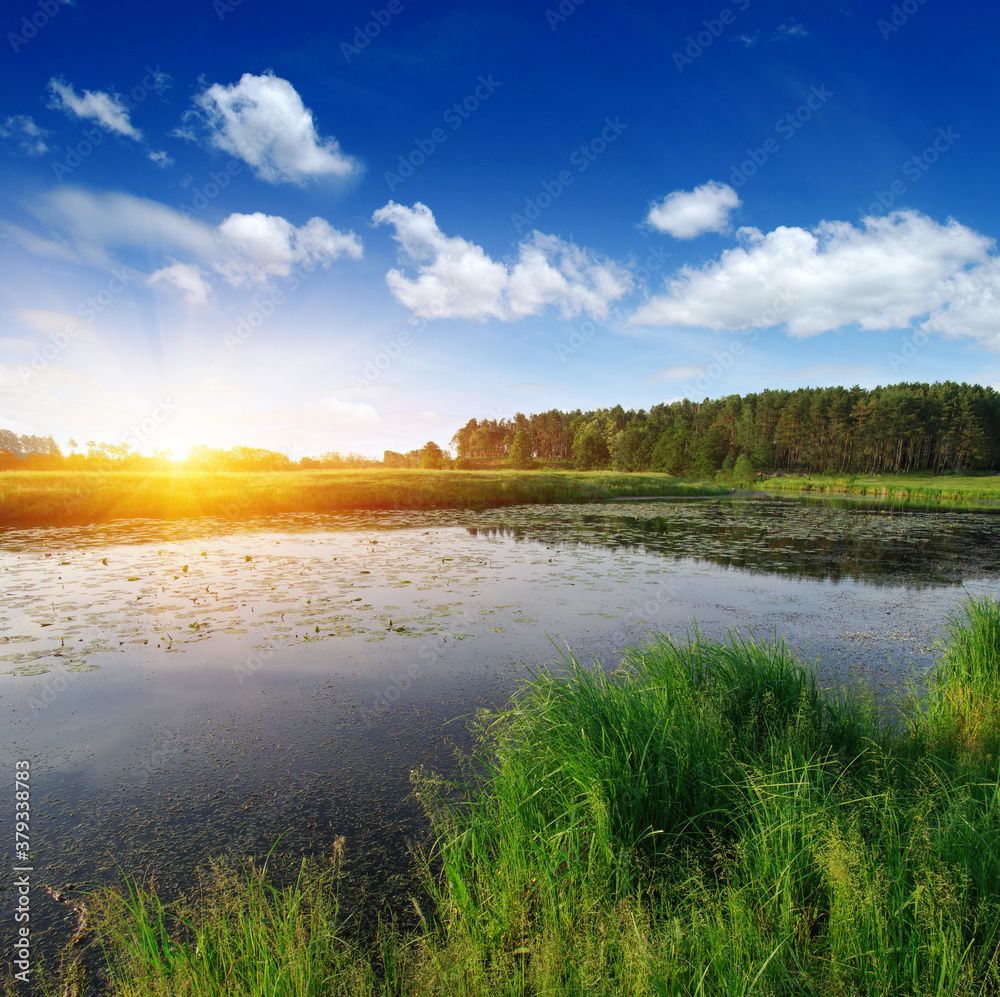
(29, 137)
(188, 278)
(245, 248)
(106, 109)
(456, 278)
(161, 158)
(685, 214)
(883, 275)
(971, 306)
(268, 245)
(263, 121)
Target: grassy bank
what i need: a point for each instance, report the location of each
(703, 821)
(923, 489)
(68, 497)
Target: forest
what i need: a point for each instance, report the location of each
(898, 429)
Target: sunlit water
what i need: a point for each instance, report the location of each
(194, 689)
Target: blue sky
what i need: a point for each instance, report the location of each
(351, 227)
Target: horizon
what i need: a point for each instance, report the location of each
(353, 230)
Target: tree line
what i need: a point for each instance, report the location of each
(895, 429)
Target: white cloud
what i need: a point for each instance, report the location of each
(675, 372)
(350, 412)
(263, 121)
(971, 306)
(456, 279)
(882, 276)
(105, 108)
(748, 41)
(29, 137)
(187, 278)
(790, 29)
(685, 214)
(54, 249)
(161, 158)
(268, 245)
(95, 222)
(245, 248)
(41, 320)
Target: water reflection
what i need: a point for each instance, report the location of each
(824, 539)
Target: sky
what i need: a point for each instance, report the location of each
(318, 227)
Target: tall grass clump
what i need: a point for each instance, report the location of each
(239, 935)
(705, 821)
(965, 696)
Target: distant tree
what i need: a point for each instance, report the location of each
(522, 457)
(10, 442)
(590, 450)
(392, 458)
(743, 473)
(725, 475)
(432, 456)
(72, 444)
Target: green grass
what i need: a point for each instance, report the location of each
(702, 821)
(67, 497)
(922, 488)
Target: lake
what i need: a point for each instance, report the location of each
(199, 688)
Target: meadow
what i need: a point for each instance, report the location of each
(703, 820)
(918, 488)
(48, 498)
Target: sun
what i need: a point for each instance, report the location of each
(178, 442)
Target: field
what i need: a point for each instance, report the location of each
(50, 498)
(702, 821)
(914, 488)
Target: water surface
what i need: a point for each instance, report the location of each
(189, 689)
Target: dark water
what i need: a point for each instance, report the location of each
(201, 688)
